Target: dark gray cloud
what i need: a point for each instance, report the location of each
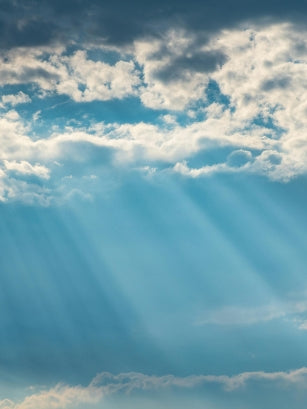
(275, 83)
(198, 62)
(35, 22)
(30, 74)
(27, 75)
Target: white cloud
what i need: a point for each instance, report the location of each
(162, 57)
(59, 397)
(13, 189)
(289, 309)
(80, 78)
(184, 169)
(134, 380)
(303, 326)
(13, 100)
(260, 116)
(264, 77)
(105, 384)
(101, 81)
(233, 315)
(25, 168)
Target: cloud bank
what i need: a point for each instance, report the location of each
(241, 89)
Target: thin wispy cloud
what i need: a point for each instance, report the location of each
(292, 309)
(106, 384)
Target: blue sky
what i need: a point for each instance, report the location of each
(152, 202)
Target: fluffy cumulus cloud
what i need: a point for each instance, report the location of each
(80, 78)
(12, 100)
(243, 89)
(176, 69)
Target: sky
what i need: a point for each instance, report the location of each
(153, 187)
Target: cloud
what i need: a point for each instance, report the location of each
(14, 189)
(59, 397)
(291, 310)
(303, 326)
(191, 63)
(80, 78)
(117, 23)
(101, 81)
(185, 170)
(239, 158)
(13, 100)
(243, 316)
(132, 380)
(105, 384)
(229, 90)
(25, 168)
(176, 69)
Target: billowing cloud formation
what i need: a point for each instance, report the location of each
(75, 75)
(104, 384)
(242, 89)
